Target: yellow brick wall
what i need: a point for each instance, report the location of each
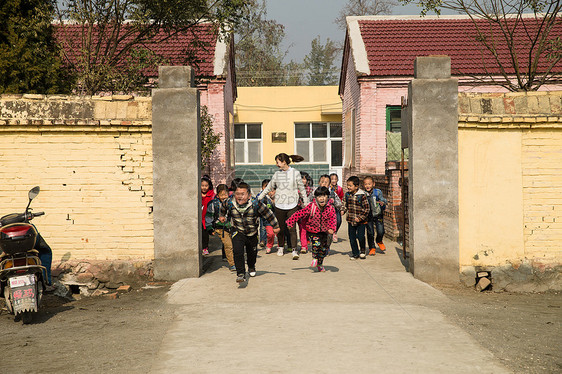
(510, 179)
(95, 173)
(542, 193)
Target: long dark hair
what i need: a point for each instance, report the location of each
(283, 157)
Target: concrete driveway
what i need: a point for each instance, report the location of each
(363, 316)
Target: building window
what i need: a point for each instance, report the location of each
(248, 143)
(319, 142)
(393, 118)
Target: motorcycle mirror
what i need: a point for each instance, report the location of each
(34, 192)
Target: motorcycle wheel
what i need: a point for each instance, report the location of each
(27, 317)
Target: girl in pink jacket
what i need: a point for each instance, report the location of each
(319, 224)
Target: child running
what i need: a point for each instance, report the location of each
(320, 224)
(207, 194)
(357, 206)
(243, 212)
(213, 224)
(375, 219)
(324, 181)
(338, 190)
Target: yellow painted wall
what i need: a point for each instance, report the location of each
(278, 108)
(490, 197)
(510, 180)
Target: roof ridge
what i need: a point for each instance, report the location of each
(430, 17)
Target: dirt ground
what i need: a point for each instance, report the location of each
(522, 330)
(91, 335)
(98, 335)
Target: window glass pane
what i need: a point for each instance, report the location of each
(395, 123)
(335, 130)
(302, 130)
(239, 150)
(319, 130)
(254, 152)
(319, 149)
(302, 150)
(239, 130)
(395, 115)
(337, 153)
(254, 131)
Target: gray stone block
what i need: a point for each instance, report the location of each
(175, 77)
(432, 67)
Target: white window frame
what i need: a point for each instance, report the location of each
(328, 139)
(245, 141)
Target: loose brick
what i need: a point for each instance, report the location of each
(111, 296)
(124, 289)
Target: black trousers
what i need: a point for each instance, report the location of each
(282, 216)
(241, 242)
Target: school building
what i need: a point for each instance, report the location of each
(303, 120)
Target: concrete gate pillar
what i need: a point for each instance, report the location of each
(177, 166)
(433, 171)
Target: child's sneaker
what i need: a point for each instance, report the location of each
(262, 244)
(240, 278)
(268, 250)
(314, 263)
(232, 268)
(205, 251)
(335, 238)
(295, 255)
(372, 252)
(362, 255)
(321, 269)
(280, 251)
(303, 250)
(381, 246)
(352, 257)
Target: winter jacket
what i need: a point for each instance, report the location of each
(375, 196)
(212, 216)
(316, 219)
(357, 206)
(205, 200)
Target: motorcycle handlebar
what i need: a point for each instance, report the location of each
(38, 214)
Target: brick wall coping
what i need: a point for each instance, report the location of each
(510, 121)
(36, 97)
(74, 125)
(511, 104)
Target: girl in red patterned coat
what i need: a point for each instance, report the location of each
(320, 224)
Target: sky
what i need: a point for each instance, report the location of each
(306, 19)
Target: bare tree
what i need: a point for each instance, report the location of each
(533, 40)
(106, 42)
(364, 8)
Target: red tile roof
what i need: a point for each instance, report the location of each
(393, 44)
(177, 50)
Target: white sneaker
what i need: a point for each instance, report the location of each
(280, 251)
(252, 272)
(295, 255)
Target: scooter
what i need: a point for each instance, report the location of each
(21, 274)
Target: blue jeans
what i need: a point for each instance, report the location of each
(45, 255)
(338, 219)
(375, 223)
(263, 232)
(356, 233)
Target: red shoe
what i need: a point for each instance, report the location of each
(372, 252)
(381, 247)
